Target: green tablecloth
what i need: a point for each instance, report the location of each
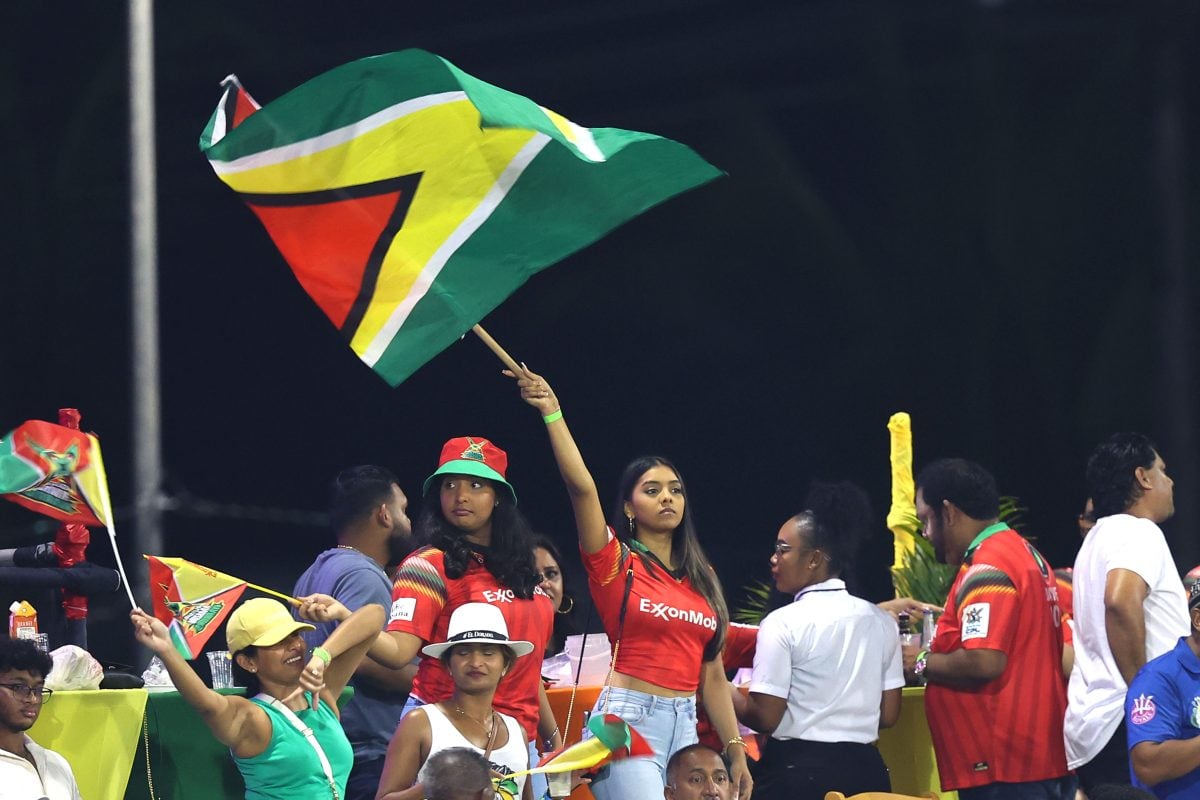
(186, 761)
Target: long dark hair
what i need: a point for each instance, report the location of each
(686, 552)
(509, 557)
(564, 621)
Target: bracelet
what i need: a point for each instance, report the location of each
(921, 663)
(550, 738)
(323, 654)
(552, 417)
(736, 740)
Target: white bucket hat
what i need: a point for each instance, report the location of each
(477, 623)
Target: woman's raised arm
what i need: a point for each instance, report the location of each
(233, 720)
(585, 500)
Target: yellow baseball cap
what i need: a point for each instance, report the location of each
(261, 622)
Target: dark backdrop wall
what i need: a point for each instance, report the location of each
(976, 212)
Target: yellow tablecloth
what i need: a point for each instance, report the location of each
(908, 750)
(97, 732)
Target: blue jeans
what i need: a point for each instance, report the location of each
(666, 723)
(1054, 789)
(538, 782)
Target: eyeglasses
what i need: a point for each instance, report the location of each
(24, 692)
(782, 548)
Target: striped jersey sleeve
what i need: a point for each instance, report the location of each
(604, 565)
(985, 599)
(418, 593)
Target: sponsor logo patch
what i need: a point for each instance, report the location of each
(403, 609)
(975, 619)
(1195, 717)
(1143, 709)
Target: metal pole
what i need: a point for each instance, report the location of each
(143, 207)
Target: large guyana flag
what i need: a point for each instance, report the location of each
(410, 198)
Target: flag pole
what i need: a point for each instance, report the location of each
(262, 589)
(274, 593)
(500, 352)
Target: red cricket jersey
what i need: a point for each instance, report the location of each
(1011, 729)
(423, 598)
(667, 622)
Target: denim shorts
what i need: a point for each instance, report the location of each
(666, 723)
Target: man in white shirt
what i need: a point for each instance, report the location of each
(27, 771)
(1129, 603)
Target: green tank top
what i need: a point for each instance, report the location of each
(289, 768)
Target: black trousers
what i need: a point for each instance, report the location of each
(1110, 767)
(802, 770)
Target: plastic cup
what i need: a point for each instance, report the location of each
(221, 667)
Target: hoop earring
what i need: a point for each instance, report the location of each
(632, 527)
(570, 607)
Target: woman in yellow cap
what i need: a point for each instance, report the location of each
(286, 742)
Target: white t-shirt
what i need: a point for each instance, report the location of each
(1096, 692)
(52, 779)
(831, 655)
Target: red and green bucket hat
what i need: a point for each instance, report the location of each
(475, 456)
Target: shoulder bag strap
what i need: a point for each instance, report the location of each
(307, 733)
(612, 666)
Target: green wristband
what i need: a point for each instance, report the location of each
(555, 417)
(323, 654)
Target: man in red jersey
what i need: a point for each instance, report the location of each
(995, 695)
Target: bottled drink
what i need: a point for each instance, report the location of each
(907, 636)
(928, 628)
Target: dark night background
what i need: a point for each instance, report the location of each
(978, 212)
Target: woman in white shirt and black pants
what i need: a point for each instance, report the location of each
(827, 671)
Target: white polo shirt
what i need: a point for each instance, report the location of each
(52, 779)
(831, 655)
(1096, 692)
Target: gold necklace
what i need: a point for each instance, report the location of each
(348, 547)
(488, 729)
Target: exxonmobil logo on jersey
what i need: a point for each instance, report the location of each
(668, 612)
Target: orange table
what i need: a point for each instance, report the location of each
(560, 701)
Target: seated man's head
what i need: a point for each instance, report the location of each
(697, 772)
(23, 671)
(456, 773)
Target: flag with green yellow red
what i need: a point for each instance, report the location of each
(410, 198)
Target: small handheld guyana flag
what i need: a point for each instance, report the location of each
(56, 471)
(612, 740)
(410, 198)
(191, 600)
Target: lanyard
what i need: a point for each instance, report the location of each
(308, 734)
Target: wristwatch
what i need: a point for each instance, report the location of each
(921, 662)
